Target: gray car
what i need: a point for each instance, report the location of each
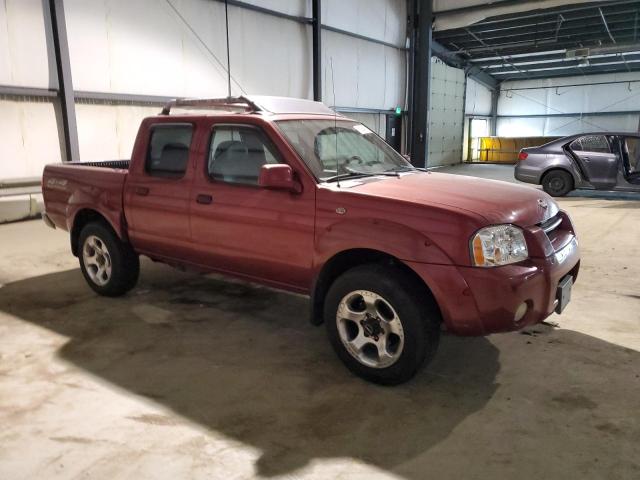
(600, 161)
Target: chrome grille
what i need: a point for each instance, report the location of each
(551, 224)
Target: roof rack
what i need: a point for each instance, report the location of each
(228, 102)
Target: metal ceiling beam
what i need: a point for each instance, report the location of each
(585, 31)
(454, 60)
(555, 56)
(553, 11)
(518, 24)
(511, 49)
(483, 6)
(570, 72)
(569, 64)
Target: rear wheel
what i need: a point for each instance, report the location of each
(380, 324)
(109, 265)
(557, 183)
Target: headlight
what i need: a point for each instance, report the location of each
(498, 245)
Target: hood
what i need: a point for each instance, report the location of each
(496, 201)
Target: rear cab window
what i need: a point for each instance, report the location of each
(168, 151)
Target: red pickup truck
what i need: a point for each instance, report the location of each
(287, 193)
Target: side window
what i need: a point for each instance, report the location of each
(575, 145)
(595, 143)
(168, 152)
(237, 153)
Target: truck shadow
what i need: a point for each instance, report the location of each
(244, 362)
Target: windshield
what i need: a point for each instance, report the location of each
(339, 148)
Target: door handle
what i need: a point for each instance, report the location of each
(143, 191)
(204, 199)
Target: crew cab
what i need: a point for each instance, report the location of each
(289, 194)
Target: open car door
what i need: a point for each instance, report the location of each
(631, 161)
(598, 159)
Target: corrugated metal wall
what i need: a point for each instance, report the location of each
(558, 107)
(28, 131)
(178, 48)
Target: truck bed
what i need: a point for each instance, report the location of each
(69, 188)
(117, 164)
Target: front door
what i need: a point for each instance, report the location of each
(157, 193)
(598, 159)
(241, 228)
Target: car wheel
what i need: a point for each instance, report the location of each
(109, 265)
(380, 324)
(557, 183)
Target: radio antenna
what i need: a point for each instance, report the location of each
(226, 20)
(335, 122)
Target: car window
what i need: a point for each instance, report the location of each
(591, 143)
(168, 152)
(332, 147)
(237, 153)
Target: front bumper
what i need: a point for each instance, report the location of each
(479, 301)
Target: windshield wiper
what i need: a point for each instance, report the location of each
(406, 168)
(355, 174)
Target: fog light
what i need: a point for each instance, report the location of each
(520, 312)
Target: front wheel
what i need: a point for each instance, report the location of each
(109, 265)
(380, 324)
(557, 183)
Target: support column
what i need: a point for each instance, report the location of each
(421, 17)
(65, 84)
(495, 95)
(317, 49)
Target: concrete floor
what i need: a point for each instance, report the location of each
(196, 377)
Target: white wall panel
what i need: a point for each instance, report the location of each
(569, 95)
(367, 75)
(107, 132)
(477, 99)
(29, 138)
(563, 96)
(375, 121)
(380, 19)
(446, 115)
(23, 45)
(184, 52)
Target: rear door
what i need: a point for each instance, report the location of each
(598, 159)
(157, 192)
(631, 146)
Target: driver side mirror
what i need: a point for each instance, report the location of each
(279, 177)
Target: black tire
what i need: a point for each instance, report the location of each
(557, 183)
(416, 311)
(124, 262)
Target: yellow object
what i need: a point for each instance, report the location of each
(503, 149)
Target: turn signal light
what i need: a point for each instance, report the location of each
(522, 156)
